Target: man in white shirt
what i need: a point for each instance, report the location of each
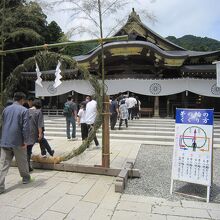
(131, 102)
(90, 116)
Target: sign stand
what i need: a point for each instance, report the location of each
(193, 144)
(197, 197)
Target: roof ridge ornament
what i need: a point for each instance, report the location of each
(134, 16)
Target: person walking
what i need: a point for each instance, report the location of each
(81, 120)
(44, 145)
(14, 139)
(137, 108)
(37, 132)
(114, 112)
(70, 112)
(131, 102)
(90, 116)
(123, 114)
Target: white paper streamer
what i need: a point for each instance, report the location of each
(39, 79)
(58, 76)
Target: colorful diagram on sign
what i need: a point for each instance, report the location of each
(194, 138)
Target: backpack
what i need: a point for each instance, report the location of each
(67, 110)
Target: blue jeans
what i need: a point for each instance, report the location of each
(70, 120)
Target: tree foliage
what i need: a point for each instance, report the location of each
(191, 42)
(24, 24)
(54, 33)
(79, 49)
(85, 15)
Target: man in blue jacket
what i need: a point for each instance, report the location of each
(14, 139)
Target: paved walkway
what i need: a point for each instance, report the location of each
(120, 152)
(76, 196)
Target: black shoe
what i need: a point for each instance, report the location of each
(30, 169)
(26, 181)
(52, 153)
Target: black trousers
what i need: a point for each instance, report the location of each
(84, 131)
(120, 122)
(131, 112)
(113, 120)
(29, 152)
(95, 138)
(45, 147)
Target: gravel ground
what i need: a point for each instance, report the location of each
(155, 165)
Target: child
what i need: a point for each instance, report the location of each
(123, 114)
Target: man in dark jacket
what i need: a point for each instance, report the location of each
(114, 112)
(14, 139)
(71, 118)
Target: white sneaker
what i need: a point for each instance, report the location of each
(97, 147)
(74, 139)
(90, 148)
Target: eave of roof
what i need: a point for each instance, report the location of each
(199, 68)
(123, 44)
(168, 54)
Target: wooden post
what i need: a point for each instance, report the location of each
(156, 107)
(105, 132)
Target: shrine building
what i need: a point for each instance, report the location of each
(162, 74)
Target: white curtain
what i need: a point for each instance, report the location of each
(204, 87)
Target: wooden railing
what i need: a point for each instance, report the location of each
(53, 112)
(146, 112)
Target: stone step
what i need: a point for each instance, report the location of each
(122, 131)
(147, 131)
(125, 136)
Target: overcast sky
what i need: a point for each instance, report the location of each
(174, 17)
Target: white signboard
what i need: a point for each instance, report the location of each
(192, 154)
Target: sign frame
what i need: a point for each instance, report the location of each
(193, 148)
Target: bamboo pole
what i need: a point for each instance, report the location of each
(105, 120)
(105, 137)
(63, 44)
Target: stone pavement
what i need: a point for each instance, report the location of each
(120, 152)
(75, 196)
(66, 195)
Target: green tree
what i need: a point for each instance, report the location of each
(191, 42)
(24, 24)
(54, 33)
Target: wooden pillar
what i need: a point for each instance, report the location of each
(156, 107)
(168, 107)
(105, 134)
(186, 99)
